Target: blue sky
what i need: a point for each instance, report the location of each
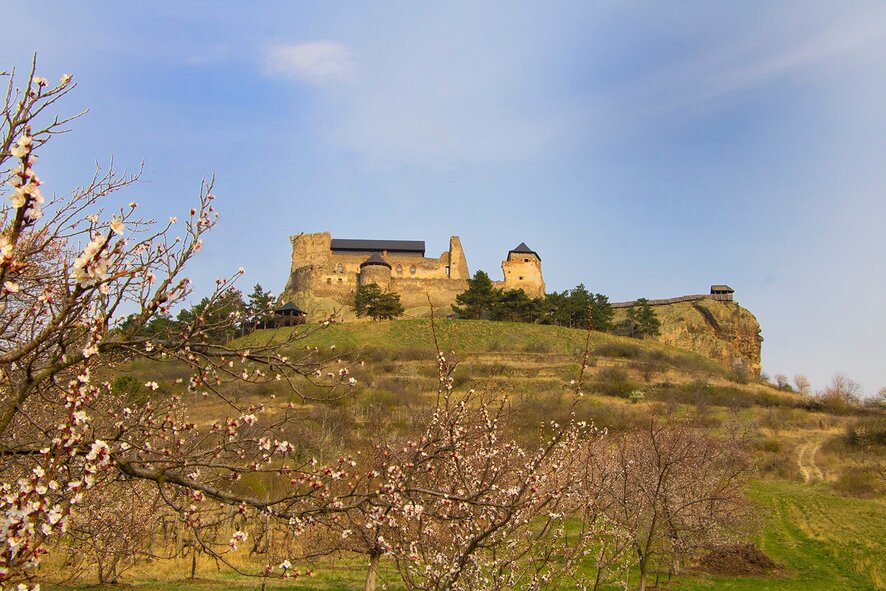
(644, 149)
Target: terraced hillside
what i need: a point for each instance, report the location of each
(820, 526)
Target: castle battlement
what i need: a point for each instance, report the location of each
(331, 269)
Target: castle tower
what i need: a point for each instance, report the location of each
(375, 270)
(522, 270)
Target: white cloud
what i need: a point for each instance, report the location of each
(318, 62)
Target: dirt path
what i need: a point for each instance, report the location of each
(806, 460)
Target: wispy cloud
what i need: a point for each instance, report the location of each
(318, 62)
(747, 63)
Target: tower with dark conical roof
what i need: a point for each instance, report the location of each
(522, 270)
(376, 270)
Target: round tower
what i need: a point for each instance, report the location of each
(375, 270)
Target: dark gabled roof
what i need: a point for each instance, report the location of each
(523, 249)
(375, 259)
(411, 246)
(289, 307)
(722, 288)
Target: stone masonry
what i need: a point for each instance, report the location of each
(328, 269)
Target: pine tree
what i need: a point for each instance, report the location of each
(479, 300)
(365, 295)
(641, 321)
(601, 313)
(385, 307)
(259, 306)
(369, 300)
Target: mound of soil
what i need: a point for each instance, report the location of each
(737, 560)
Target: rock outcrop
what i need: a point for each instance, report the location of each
(719, 330)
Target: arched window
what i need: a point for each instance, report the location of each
(525, 260)
(412, 269)
(341, 268)
(399, 268)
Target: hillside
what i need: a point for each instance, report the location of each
(724, 332)
(820, 501)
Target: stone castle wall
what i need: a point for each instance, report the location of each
(334, 276)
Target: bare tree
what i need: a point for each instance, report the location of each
(782, 382)
(676, 488)
(801, 382)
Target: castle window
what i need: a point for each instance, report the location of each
(525, 260)
(329, 281)
(339, 279)
(399, 268)
(341, 269)
(521, 279)
(412, 269)
(447, 270)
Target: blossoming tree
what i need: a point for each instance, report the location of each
(70, 274)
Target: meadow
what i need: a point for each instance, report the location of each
(818, 531)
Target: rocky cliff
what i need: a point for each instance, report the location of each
(722, 331)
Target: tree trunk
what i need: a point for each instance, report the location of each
(372, 574)
(193, 561)
(642, 566)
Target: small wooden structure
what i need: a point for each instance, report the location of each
(289, 315)
(724, 291)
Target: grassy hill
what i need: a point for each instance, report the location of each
(821, 522)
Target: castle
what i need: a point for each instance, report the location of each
(326, 272)
(331, 269)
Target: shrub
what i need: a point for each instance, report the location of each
(636, 396)
(779, 466)
(858, 482)
(538, 347)
(131, 388)
(618, 349)
(614, 381)
(866, 431)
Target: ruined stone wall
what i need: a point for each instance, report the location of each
(457, 261)
(331, 278)
(414, 293)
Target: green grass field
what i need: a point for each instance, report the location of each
(824, 542)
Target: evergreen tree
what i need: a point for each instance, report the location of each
(259, 306)
(216, 324)
(601, 313)
(641, 321)
(365, 295)
(370, 300)
(515, 306)
(555, 309)
(479, 300)
(385, 307)
(161, 327)
(579, 306)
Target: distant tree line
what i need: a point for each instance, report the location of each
(223, 318)
(576, 308)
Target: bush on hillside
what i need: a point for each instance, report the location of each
(614, 381)
(859, 482)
